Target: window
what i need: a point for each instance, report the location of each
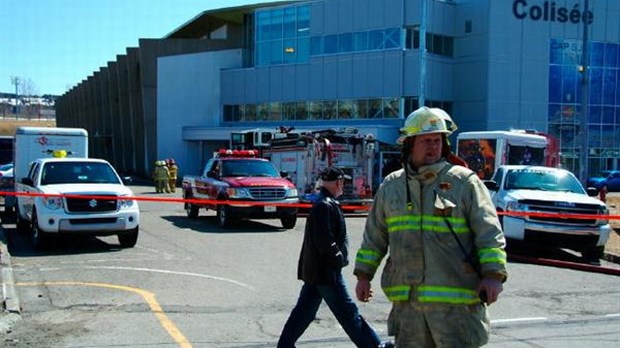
(345, 43)
(392, 38)
(375, 41)
(330, 44)
(316, 110)
(279, 35)
(375, 108)
(391, 107)
(288, 111)
(330, 110)
(435, 43)
(345, 109)
(360, 41)
(360, 108)
(301, 111)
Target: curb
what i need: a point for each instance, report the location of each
(611, 257)
(11, 310)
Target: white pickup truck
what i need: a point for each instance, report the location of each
(544, 192)
(82, 196)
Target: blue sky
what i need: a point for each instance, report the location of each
(54, 44)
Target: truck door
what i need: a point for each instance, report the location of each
(212, 179)
(26, 203)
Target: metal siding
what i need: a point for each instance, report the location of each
(330, 78)
(275, 84)
(316, 80)
(345, 19)
(302, 81)
(376, 9)
(376, 75)
(392, 73)
(345, 77)
(361, 80)
(393, 13)
(317, 21)
(250, 85)
(330, 17)
(359, 14)
(288, 85)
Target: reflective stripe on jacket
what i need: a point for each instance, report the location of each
(425, 262)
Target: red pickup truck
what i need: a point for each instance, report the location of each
(237, 184)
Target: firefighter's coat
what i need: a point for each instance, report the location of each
(426, 277)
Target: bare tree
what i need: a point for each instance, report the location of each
(28, 88)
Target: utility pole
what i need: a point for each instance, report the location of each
(585, 81)
(422, 82)
(16, 80)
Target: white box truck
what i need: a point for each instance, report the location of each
(484, 151)
(32, 143)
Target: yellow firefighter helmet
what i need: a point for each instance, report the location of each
(427, 121)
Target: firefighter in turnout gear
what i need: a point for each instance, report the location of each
(161, 176)
(446, 258)
(173, 170)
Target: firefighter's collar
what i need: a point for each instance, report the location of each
(428, 173)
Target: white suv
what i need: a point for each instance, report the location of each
(80, 196)
(545, 191)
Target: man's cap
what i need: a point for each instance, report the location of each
(334, 173)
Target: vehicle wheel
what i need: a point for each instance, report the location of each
(593, 254)
(39, 238)
(223, 220)
(288, 221)
(128, 239)
(191, 210)
(22, 225)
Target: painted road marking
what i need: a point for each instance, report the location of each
(514, 320)
(149, 297)
(198, 275)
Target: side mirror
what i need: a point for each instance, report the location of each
(491, 185)
(27, 182)
(284, 174)
(591, 191)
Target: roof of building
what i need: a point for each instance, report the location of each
(210, 20)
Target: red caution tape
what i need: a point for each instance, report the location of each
(355, 208)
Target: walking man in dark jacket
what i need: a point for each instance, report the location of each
(323, 255)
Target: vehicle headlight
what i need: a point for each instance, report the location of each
(291, 193)
(234, 192)
(125, 201)
(52, 203)
(604, 211)
(515, 206)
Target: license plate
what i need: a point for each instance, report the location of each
(270, 208)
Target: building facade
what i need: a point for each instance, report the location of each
(492, 64)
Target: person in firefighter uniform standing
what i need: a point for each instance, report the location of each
(174, 171)
(161, 176)
(446, 259)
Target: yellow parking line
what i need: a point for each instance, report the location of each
(149, 297)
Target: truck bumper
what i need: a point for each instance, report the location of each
(276, 211)
(574, 237)
(89, 224)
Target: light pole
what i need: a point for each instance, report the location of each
(422, 82)
(16, 80)
(583, 125)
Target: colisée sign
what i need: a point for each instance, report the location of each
(550, 12)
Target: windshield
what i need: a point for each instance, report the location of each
(78, 173)
(533, 179)
(249, 168)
